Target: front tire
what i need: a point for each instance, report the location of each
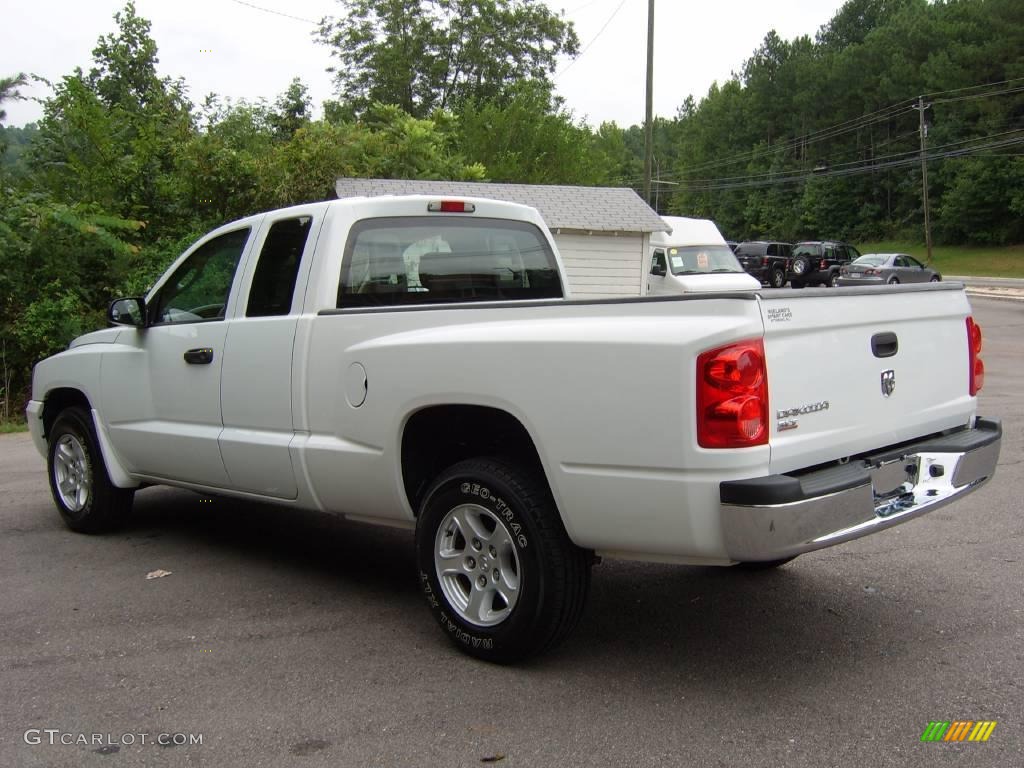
(86, 499)
(496, 566)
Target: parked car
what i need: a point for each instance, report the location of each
(817, 262)
(768, 261)
(418, 362)
(887, 268)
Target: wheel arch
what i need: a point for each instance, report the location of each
(59, 399)
(438, 436)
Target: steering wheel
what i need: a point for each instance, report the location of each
(175, 315)
(209, 311)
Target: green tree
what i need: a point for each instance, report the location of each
(423, 55)
(292, 109)
(110, 137)
(530, 139)
(9, 90)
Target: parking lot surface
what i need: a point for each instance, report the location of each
(282, 638)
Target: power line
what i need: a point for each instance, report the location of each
(985, 95)
(276, 13)
(592, 41)
(904, 162)
(866, 162)
(855, 124)
(579, 8)
(973, 87)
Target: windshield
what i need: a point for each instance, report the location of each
(702, 259)
(871, 260)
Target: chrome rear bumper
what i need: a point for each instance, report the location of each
(780, 516)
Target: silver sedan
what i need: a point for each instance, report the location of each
(886, 268)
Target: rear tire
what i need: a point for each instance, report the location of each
(777, 278)
(496, 566)
(833, 282)
(86, 499)
(893, 281)
(801, 265)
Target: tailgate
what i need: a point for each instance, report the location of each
(854, 370)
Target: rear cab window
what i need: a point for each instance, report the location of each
(394, 261)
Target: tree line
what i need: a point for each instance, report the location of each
(811, 138)
(821, 138)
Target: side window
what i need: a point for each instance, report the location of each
(912, 262)
(434, 259)
(658, 266)
(900, 261)
(274, 280)
(198, 289)
(773, 249)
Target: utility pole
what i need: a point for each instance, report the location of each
(648, 127)
(923, 129)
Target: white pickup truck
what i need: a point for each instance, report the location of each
(415, 361)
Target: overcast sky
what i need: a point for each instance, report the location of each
(232, 49)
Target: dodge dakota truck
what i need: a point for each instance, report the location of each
(417, 362)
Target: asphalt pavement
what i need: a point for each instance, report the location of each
(292, 639)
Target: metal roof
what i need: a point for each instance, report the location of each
(597, 209)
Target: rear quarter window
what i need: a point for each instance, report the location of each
(440, 259)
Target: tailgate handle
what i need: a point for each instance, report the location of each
(884, 344)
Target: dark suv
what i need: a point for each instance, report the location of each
(765, 260)
(817, 262)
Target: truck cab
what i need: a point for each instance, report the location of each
(694, 257)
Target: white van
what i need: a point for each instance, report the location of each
(694, 258)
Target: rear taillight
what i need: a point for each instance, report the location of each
(823, 264)
(976, 367)
(732, 396)
(764, 262)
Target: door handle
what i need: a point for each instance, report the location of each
(200, 356)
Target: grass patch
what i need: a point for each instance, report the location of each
(967, 260)
(7, 427)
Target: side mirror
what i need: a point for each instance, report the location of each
(129, 311)
(658, 270)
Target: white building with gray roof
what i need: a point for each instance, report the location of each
(602, 233)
